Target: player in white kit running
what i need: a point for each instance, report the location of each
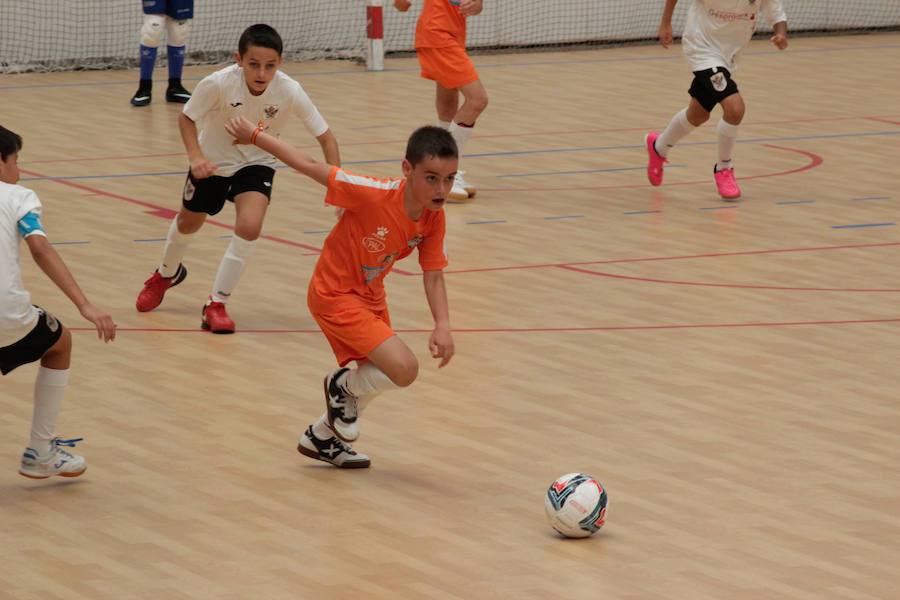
(715, 33)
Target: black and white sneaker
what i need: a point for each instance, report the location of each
(143, 96)
(176, 92)
(340, 406)
(332, 451)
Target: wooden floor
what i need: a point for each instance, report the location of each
(729, 372)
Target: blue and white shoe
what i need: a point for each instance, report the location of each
(56, 462)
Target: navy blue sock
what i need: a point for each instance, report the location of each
(148, 59)
(176, 61)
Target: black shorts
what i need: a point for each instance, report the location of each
(34, 345)
(711, 86)
(209, 195)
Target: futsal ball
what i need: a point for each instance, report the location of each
(576, 505)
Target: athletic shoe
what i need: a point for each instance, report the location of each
(462, 191)
(155, 289)
(332, 451)
(655, 162)
(143, 96)
(340, 408)
(727, 185)
(176, 93)
(56, 462)
(215, 318)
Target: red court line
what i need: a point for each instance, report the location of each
(683, 257)
(534, 329)
(724, 285)
(883, 120)
(815, 161)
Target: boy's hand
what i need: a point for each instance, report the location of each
(441, 345)
(470, 8)
(665, 35)
(402, 5)
(241, 129)
(780, 40)
(202, 168)
(106, 327)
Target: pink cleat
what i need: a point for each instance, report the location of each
(655, 162)
(727, 185)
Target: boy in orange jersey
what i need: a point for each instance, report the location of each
(382, 222)
(441, 49)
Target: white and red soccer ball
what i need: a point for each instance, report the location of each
(576, 505)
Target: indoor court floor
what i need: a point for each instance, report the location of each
(727, 370)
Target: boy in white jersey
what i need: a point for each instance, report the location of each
(220, 170)
(28, 333)
(714, 35)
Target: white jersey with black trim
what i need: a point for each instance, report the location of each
(717, 30)
(224, 94)
(17, 315)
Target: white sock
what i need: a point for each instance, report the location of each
(461, 134)
(444, 125)
(176, 245)
(231, 267)
(49, 388)
(321, 429)
(366, 381)
(727, 136)
(678, 127)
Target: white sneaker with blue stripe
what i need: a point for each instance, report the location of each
(56, 462)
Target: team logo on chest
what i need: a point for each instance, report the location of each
(270, 110)
(375, 242)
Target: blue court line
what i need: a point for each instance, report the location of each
(860, 225)
(641, 212)
(863, 199)
(564, 217)
(670, 56)
(796, 202)
(514, 153)
(68, 243)
(151, 240)
(484, 222)
(610, 170)
(730, 206)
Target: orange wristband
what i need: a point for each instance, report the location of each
(255, 133)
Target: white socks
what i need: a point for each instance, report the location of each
(444, 125)
(231, 267)
(365, 382)
(727, 136)
(461, 134)
(176, 245)
(49, 388)
(678, 127)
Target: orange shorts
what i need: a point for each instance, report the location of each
(354, 332)
(450, 66)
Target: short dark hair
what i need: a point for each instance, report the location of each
(430, 141)
(10, 143)
(261, 35)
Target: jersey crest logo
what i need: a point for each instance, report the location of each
(270, 110)
(375, 243)
(236, 104)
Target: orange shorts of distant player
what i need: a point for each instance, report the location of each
(354, 332)
(450, 66)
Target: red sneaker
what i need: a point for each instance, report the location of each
(155, 289)
(215, 319)
(727, 184)
(655, 162)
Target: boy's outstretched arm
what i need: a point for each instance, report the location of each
(52, 264)
(665, 25)
(245, 132)
(441, 342)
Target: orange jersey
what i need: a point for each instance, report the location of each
(440, 25)
(373, 233)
